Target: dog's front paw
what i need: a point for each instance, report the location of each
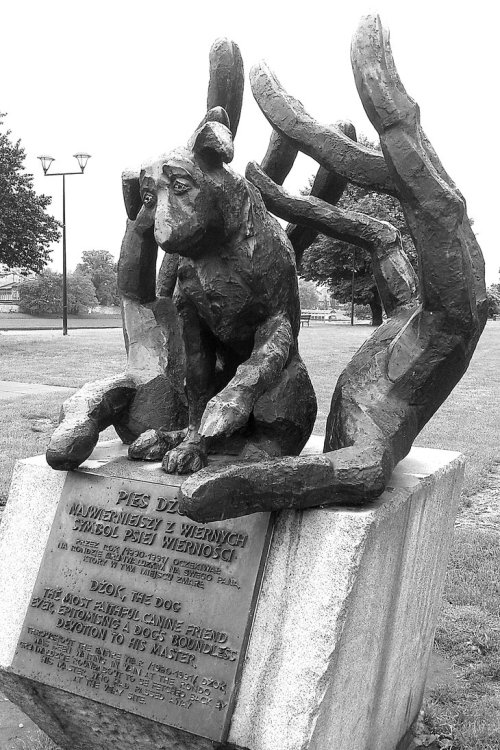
(185, 459)
(224, 415)
(153, 444)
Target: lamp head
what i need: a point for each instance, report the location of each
(82, 160)
(46, 162)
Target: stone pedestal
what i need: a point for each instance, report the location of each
(343, 626)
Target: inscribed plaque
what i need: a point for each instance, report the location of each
(141, 608)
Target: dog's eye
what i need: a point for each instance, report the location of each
(179, 187)
(148, 199)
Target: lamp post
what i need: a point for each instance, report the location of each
(46, 161)
(352, 283)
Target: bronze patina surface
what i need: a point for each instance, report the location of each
(138, 607)
(229, 276)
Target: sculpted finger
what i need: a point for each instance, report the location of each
(191, 461)
(213, 494)
(153, 444)
(311, 212)
(83, 416)
(219, 492)
(147, 447)
(327, 144)
(137, 265)
(72, 443)
(279, 158)
(185, 459)
(380, 89)
(227, 80)
(169, 463)
(223, 418)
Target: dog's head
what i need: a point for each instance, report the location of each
(186, 194)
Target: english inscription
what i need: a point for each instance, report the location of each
(138, 607)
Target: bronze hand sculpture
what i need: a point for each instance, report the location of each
(404, 372)
(247, 389)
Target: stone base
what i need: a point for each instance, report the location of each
(343, 629)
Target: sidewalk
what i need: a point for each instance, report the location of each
(9, 389)
(30, 323)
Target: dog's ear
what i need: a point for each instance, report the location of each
(131, 193)
(214, 143)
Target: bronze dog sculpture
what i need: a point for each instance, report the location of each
(231, 271)
(237, 299)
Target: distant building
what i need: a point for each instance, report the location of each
(9, 290)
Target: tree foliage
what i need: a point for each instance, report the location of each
(309, 296)
(493, 297)
(26, 230)
(100, 267)
(81, 293)
(42, 294)
(328, 261)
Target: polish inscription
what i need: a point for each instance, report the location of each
(139, 607)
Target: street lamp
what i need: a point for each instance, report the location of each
(46, 161)
(352, 283)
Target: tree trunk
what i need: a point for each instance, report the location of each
(376, 308)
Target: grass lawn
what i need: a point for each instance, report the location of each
(51, 358)
(468, 634)
(26, 426)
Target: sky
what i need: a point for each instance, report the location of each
(126, 81)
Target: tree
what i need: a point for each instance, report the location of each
(26, 230)
(81, 293)
(42, 294)
(331, 262)
(309, 296)
(100, 267)
(493, 297)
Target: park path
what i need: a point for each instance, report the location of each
(54, 324)
(10, 389)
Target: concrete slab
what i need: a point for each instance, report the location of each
(17, 730)
(343, 629)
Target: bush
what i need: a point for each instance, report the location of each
(42, 294)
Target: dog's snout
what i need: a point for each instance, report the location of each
(163, 230)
